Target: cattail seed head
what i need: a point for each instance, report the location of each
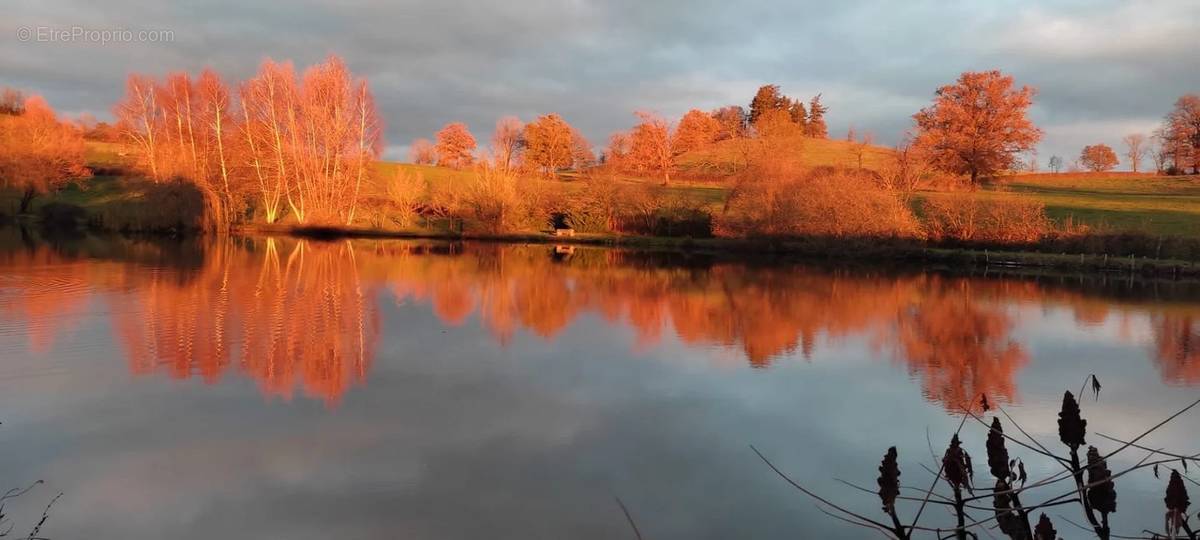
(1044, 529)
(889, 480)
(997, 453)
(1071, 427)
(1102, 494)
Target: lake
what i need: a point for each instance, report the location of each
(276, 387)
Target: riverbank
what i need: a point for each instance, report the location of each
(857, 250)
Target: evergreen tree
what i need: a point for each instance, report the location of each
(815, 127)
(766, 99)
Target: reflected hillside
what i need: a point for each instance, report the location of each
(300, 316)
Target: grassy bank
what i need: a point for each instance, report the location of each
(1135, 223)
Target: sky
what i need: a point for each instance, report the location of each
(1102, 68)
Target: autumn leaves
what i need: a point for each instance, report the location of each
(38, 152)
(279, 143)
(544, 146)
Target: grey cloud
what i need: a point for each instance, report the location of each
(1096, 63)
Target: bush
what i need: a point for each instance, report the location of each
(966, 217)
(400, 201)
(497, 200)
(825, 203)
(647, 210)
(597, 207)
(62, 215)
(173, 206)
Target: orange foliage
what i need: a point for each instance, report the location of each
(293, 313)
(1177, 348)
(301, 315)
(1098, 157)
(38, 153)
(551, 144)
(507, 142)
(837, 205)
(961, 348)
(696, 130)
(1006, 220)
(306, 143)
(455, 146)
(422, 152)
(977, 126)
(650, 149)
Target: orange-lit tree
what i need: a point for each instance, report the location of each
(1181, 131)
(1135, 149)
(422, 152)
(650, 148)
(696, 130)
(815, 126)
(977, 126)
(268, 111)
(306, 143)
(733, 122)
(455, 146)
(38, 153)
(1098, 157)
(507, 142)
(551, 144)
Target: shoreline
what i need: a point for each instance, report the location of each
(783, 250)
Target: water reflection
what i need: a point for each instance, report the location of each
(1177, 347)
(287, 314)
(302, 315)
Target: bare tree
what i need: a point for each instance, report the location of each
(507, 141)
(1159, 150)
(422, 152)
(1056, 164)
(1135, 149)
(860, 147)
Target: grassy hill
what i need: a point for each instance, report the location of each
(729, 155)
(1108, 202)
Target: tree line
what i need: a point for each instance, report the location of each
(652, 147)
(279, 142)
(1173, 147)
(303, 146)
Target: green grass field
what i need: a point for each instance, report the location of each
(1112, 202)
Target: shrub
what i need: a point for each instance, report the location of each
(62, 215)
(172, 206)
(826, 203)
(400, 201)
(965, 217)
(597, 207)
(649, 211)
(497, 200)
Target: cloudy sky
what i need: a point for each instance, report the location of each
(1103, 68)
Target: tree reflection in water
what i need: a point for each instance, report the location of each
(298, 314)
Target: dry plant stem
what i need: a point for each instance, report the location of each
(629, 517)
(938, 476)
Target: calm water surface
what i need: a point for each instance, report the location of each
(280, 388)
